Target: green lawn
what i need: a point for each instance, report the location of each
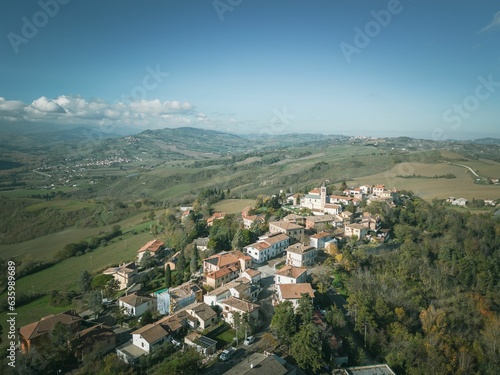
(233, 206)
(27, 193)
(47, 246)
(61, 204)
(63, 275)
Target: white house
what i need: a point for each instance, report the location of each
(460, 202)
(135, 305)
(233, 305)
(300, 255)
(205, 315)
(253, 275)
(239, 288)
(293, 292)
(318, 240)
(290, 275)
(378, 190)
(268, 246)
(149, 337)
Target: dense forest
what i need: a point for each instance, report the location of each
(432, 305)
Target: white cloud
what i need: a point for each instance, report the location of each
(156, 107)
(44, 105)
(11, 105)
(494, 24)
(141, 114)
(78, 110)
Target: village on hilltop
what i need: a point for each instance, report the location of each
(226, 287)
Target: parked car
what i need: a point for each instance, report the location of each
(249, 340)
(227, 354)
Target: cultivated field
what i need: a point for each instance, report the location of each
(233, 206)
(429, 188)
(47, 246)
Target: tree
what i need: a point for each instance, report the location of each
(99, 282)
(306, 348)
(168, 277)
(195, 260)
(182, 363)
(151, 215)
(268, 342)
(335, 318)
(95, 302)
(238, 240)
(147, 317)
(111, 287)
(147, 260)
(85, 281)
(305, 309)
(181, 263)
(113, 365)
(343, 186)
(284, 322)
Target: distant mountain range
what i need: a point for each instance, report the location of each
(183, 142)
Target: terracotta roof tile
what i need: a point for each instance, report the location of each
(295, 291)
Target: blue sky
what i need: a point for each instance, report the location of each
(424, 68)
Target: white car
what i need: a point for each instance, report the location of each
(249, 340)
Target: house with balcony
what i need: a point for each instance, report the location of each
(233, 305)
(267, 247)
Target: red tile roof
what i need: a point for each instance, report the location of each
(152, 246)
(47, 324)
(290, 271)
(295, 291)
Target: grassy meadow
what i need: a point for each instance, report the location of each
(232, 206)
(47, 246)
(429, 188)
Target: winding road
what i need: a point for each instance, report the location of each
(469, 168)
